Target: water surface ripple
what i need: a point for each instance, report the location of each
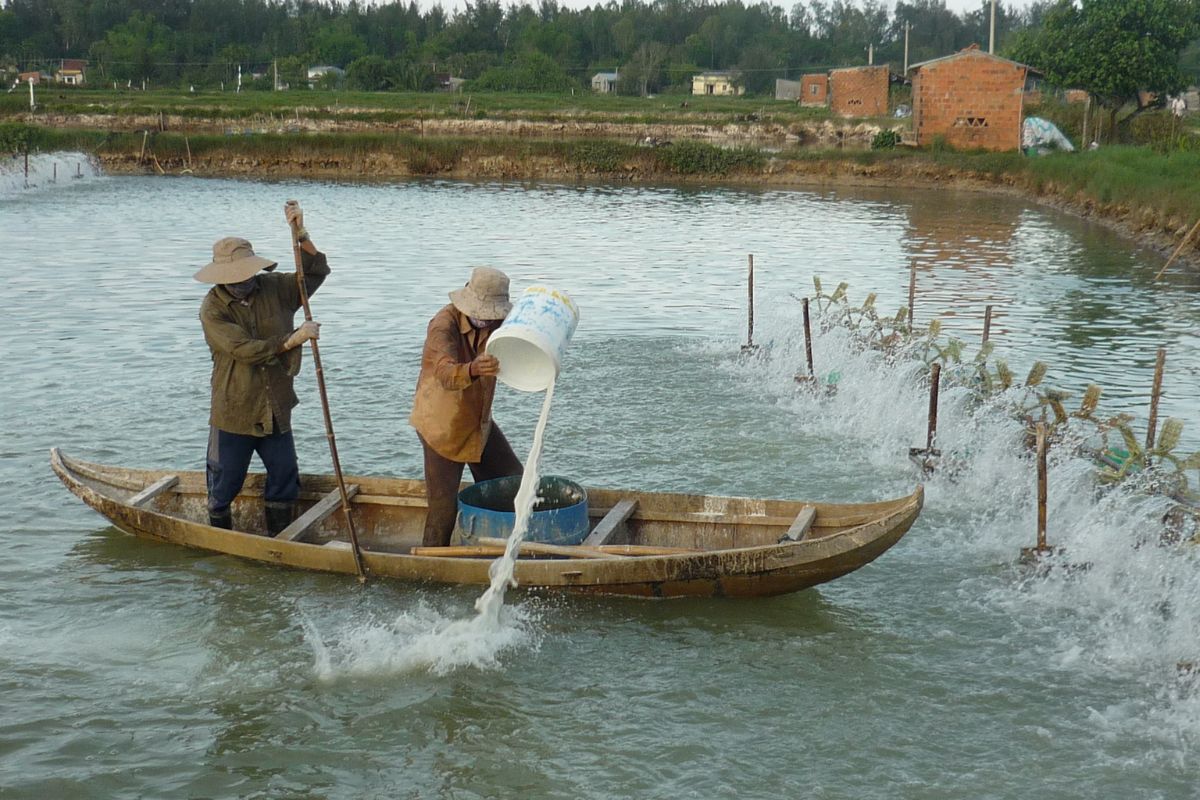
(132, 669)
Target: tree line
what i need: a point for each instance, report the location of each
(654, 46)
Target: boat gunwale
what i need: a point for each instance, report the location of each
(769, 559)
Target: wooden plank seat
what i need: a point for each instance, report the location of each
(154, 490)
(302, 525)
(606, 529)
(801, 526)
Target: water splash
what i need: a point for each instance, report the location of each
(425, 639)
(1117, 603)
(421, 639)
(46, 171)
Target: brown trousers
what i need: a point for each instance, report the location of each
(442, 477)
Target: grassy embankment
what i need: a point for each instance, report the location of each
(1143, 191)
(384, 107)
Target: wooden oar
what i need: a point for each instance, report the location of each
(333, 453)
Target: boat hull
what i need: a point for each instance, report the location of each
(389, 515)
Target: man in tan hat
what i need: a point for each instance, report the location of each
(452, 410)
(248, 324)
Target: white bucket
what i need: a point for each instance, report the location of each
(531, 342)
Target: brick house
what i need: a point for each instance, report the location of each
(859, 91)
(814, 89)
(972, 99)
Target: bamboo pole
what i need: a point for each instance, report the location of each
(750, 305)
(1041, 487)
(808, 356)
(333, 453)
(1179, 249)
(924, 457)
(912, 294)
(935, 379)
(1155, 394)
(987, 323)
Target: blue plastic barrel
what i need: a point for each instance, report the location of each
(560, 514)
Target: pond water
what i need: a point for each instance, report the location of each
(134, 669)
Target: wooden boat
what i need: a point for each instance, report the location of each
(642, 544)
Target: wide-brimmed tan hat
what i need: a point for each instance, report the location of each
(485, 296)
(233, 262)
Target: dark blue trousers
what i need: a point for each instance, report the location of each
(229, 459)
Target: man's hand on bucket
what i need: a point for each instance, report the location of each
(485, 366)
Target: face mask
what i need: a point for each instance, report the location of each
(242, 290)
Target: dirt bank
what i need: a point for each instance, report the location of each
(822, 133)
(1145, 226)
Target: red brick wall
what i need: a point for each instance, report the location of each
(859, 91)
(973, 100)
(814, 89)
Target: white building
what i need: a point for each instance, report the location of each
(605, 82)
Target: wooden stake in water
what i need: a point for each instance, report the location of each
(809, 379)
(749, 345)
(333, 453)
(935, 380)
(912, 294)
(987, 323)
(1041, 487)
(808, 341)
(1155, 394)
(924, 457)
(1032, 556)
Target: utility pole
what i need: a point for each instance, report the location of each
(32, 104)
(906, 27)
(870, 54)
(992, 31)
(275, 64)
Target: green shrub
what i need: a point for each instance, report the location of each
(700, 158)
(597, 156)
(885, 140)
(431, 156)
(16, 138)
